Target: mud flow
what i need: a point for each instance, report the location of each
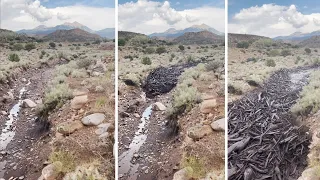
(163, 79)
(265, 141)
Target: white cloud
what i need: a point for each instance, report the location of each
(272, 20)
(26, 14)
(147, 17)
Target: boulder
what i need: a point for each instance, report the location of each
(218, 125)
(207, 106)
(199, 131)
(28, 103)
(93, 119)
(51, 172)
(103, 128)
(78, 102)
(69, 127)
(158, 106)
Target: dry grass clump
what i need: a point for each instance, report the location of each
(66, 158)
(195, 167)
(309, 101)
(85, 172)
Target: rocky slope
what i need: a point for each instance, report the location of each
(73, 35)
(203, 37)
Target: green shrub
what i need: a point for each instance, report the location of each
(285, 52)
(181, 47)
(214, 65)
(274, 52)
(52, 45)
(190, 59)
(270, 63)
(14, 57)
(121, 42)
(243, 44)
(252, 59)
(129, 57)
(149, 50)
(161, 50)
(83, 63)
(307, 50)
(96, 42)
(17, 47)
(146, 61)
(29, 46)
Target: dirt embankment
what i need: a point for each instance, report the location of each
(265, 139)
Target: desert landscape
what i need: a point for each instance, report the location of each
(57, 103)
(171, 104)
(273, 86)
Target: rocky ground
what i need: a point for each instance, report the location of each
(154, 146)
(78, 140)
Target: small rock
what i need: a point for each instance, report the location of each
(51, 171)
(105, 127)
(28, 103)
(21, 177)
(93, 119)
(208, 106)
(69, 127)
(4, 113)
(10, 95)
(310, 173)
(218, 125)
(136, 115)
(199, 131)
(78, 102)
(124, 114)
(81, 92)
(158, 106)
(99, 89)
(182, 174)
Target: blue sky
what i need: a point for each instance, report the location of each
(187, 4)
(304, 6)
(93, 3)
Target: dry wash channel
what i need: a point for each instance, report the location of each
(265, 141)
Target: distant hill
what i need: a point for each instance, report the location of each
(73, 35)
(298, 36)
(106, 33)
(7, 35)
(44, 30)
(312, 42)
(203, 37)
(173, 33)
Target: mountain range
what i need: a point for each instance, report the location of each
(298, 36)
(174, 33)
(44, 30)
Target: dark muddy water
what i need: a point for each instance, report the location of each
(126, 159)
(8, 132)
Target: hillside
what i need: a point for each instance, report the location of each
(173, 33)
(203, 37)
(7, 35)
(299, 36)
(128, 35)
(243, 37)
(44, 30)
(73, 35)
(312, 42)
